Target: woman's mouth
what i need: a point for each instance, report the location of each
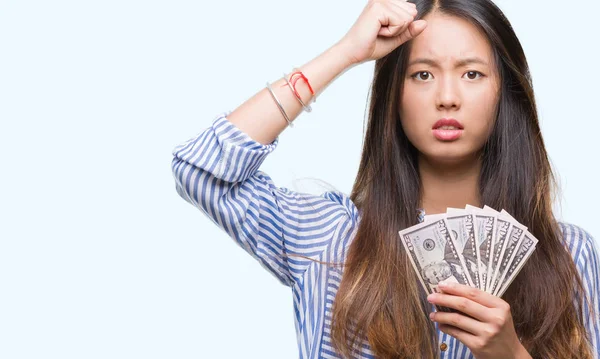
(447, 134)
(447, 129)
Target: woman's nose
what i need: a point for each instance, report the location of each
(448, 96)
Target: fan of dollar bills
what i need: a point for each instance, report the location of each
(481, 248)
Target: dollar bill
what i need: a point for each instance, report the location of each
(503, 229)
(479, 247)
(510, 246)
(527, 246)
(434, 255)
(462, 227)
(486, 229)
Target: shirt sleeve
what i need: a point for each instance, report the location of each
(587, 263)
(217, 171)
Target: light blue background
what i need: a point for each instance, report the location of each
(99, 256)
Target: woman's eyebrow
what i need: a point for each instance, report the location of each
(459, 63)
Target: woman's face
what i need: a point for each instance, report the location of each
(437, 272)
(451, 74)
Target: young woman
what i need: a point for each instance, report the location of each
(452, 122)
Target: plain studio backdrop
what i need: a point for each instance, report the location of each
(99, 256)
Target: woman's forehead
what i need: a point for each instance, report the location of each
(448, 40)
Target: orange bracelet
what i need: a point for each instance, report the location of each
(293, 80)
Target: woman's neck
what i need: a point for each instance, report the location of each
(449, 185)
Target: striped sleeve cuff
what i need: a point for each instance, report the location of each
(226, 151)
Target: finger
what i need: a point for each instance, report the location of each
(414, 29)
(462, 304)
(472, 293)
(398, 20)
(408, 13)
(466, 338)
(457, 320)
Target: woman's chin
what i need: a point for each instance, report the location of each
(450, 155)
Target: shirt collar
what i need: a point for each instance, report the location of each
(420, 214)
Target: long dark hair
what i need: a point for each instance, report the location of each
(380, 298)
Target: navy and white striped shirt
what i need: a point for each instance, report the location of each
(218, 172)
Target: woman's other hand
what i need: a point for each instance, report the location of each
(487, 328)
(382, 26)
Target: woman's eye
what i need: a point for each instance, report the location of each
(421, 75)
(472, 75)
(426, 75)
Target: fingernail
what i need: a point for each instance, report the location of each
(443, 284)
(431, 316)
(430, 298)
